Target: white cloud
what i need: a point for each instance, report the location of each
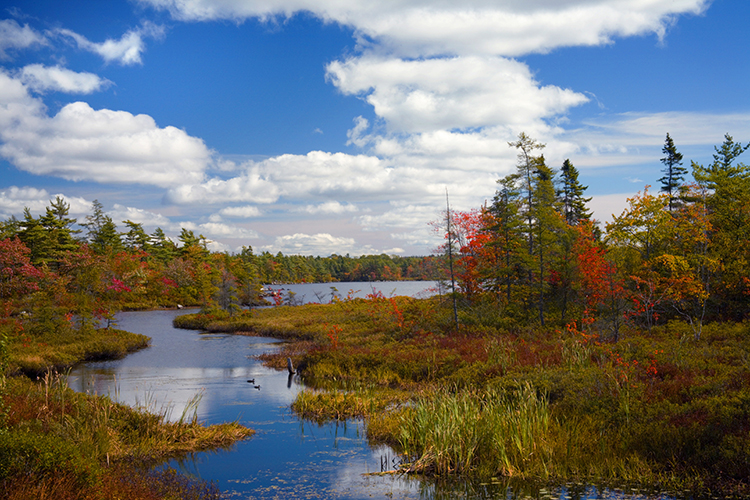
(317, 174)
(414, 28)
(245, 212)
(80, 143)
(219, 229)
(605, 206)
(14, 36)
(356, 134)
(126, 51)
(329, 207)
(626, 130)
(13, 201)
(41, 78)
(250, 186)
(450, 93)
(315, 244)
(637, 138)
(147, 218)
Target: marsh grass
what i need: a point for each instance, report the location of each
(72, 443)
(484, 433)
(658, 408)
(339, 404)
(35, 355)
(56, 443)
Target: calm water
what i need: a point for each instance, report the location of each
(323, 293)
(287, 457)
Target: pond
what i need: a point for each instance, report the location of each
(287, 457)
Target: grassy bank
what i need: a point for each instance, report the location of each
(659, 408)
(35, 355)
(58, 444)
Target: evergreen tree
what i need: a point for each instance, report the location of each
(507, 238)
(546, 228)
(50, 236)
(162, 248)
(136, 238)
(728, 184)
(526, 166)
(571, 196)
(102, 231)
(674, 172)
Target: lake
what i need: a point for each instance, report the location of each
(287, 457)
(323, 293)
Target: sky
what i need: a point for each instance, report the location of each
(322, 127)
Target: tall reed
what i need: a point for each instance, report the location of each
(483, 433)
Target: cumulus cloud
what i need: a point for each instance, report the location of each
(13, 36)
(450, 93)
(316, 244)
(317, 174)
(14, 200)
(417, 28)
(220, 230)
(147, 218)
(40, 78)
(250, 186)
(126, 51)
(80, 143)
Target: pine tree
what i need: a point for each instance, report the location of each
(50, 236)
(526, 166)
(162, 248)
(507, 238)
(570, 195)
(728, 184)
(136, 238)
(547, 225)
(674, 172)
(102, 231)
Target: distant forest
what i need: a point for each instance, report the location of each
(92, 267)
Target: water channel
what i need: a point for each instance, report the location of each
(287, 457)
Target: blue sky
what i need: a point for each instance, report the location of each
(320, 126)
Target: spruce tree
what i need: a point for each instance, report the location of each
(545, 214)
(507, 237)
(674, 172)
(571, 196)
(102, 231)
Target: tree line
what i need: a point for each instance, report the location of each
(534, 255)
(58, 268)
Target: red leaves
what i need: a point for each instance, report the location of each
(333, 335)
(598, 280)
(17, 276)
(118, 286)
